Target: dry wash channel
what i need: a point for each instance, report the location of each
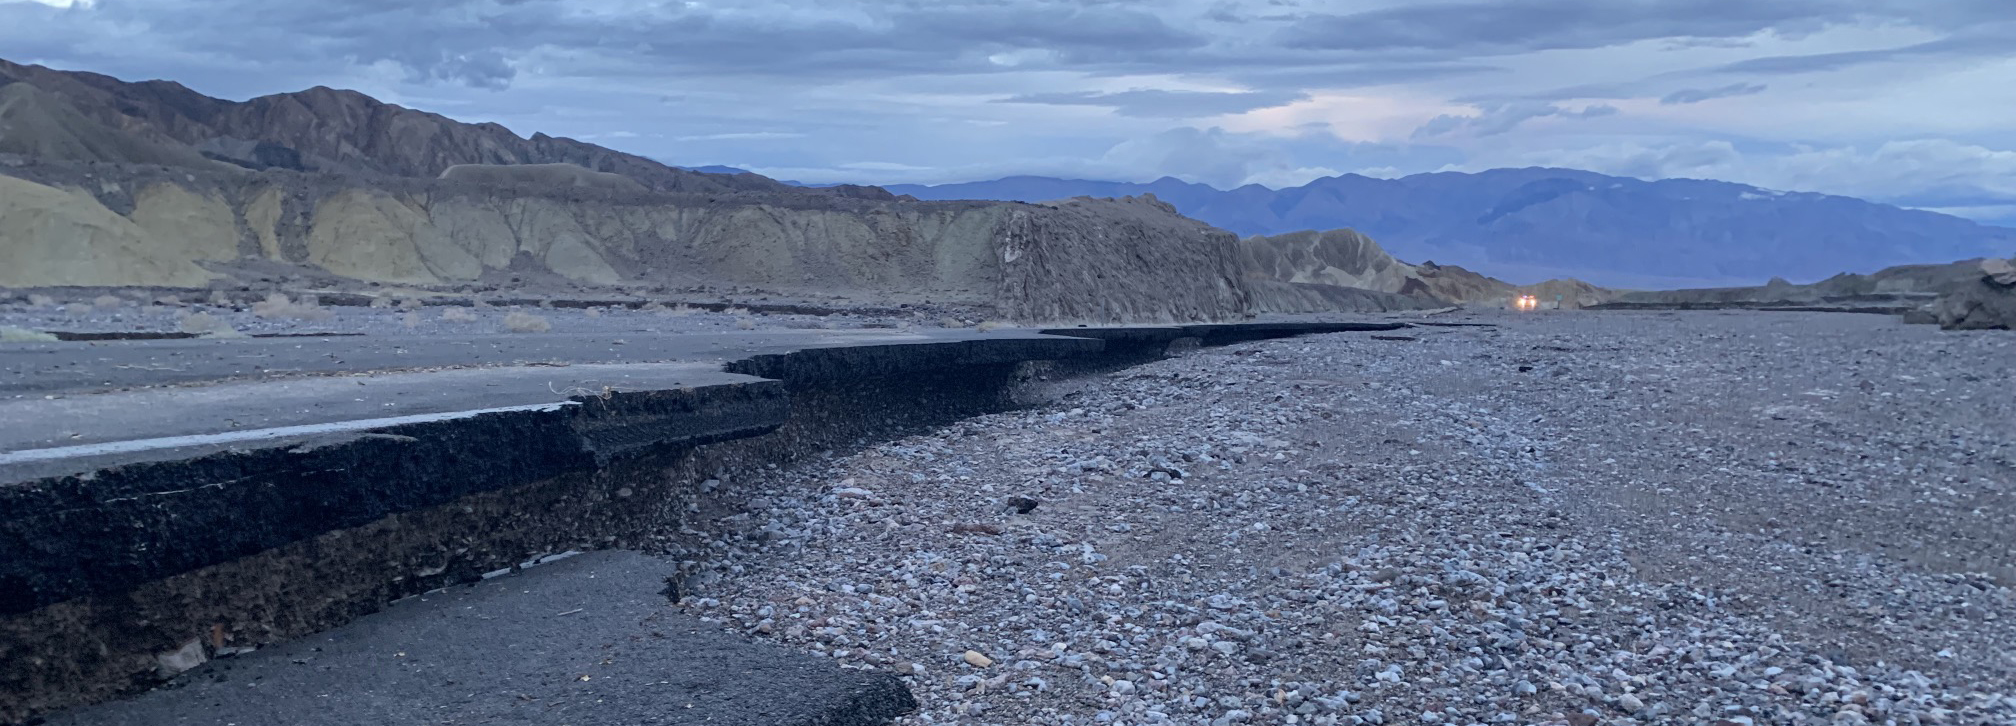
(137, 560)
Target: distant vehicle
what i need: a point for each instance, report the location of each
(1526, 302)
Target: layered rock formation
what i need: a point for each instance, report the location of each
(1090, 260)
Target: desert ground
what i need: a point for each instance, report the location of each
(1581, 518)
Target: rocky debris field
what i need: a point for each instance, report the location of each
(1570, 518)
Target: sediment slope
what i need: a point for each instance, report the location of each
(57, 235)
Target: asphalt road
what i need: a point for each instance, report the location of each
(36, 370)
(69, 407)
(585, 640)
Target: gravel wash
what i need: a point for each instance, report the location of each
(1569, 518)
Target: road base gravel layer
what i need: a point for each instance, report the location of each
(1570, 518)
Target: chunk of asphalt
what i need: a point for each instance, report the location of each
(587, 640)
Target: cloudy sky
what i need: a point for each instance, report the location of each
(1906, 101)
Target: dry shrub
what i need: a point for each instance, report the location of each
(411, 303)
(987, 325)
(41, 301)
(681, 310)
(381, 303)
(412, 319)
(519, 321)
(736, 311)
(951, 323)
(592, 312)
(277, 307)
(458, 315)
(218, 298)
(77, 310)
(746, 323)
(207, 325)
(107, 302)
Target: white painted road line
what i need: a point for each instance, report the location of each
(232, 437)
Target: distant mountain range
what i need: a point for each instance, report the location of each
(1528, 224)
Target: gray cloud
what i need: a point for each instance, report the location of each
(1502, 118)
(1495, 27)
(481, 69)
(1697, 95)
(1304, 74)
(1166, 104)
(1991, 41)
(475, 41)
(833, 89)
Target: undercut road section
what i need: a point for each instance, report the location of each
(167, 503)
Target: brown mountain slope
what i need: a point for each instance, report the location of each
(38, 123)
(329, 130)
